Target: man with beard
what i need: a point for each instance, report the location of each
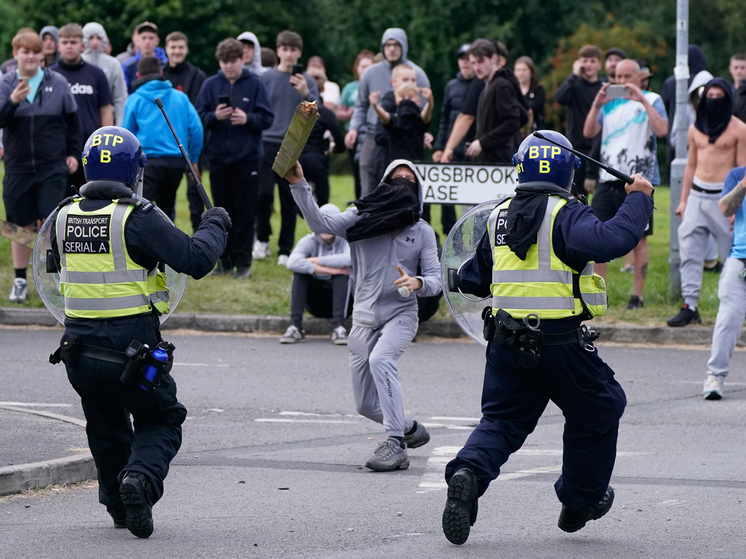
(717, 143)
(388, 240)
(96, 42)
(395, 46)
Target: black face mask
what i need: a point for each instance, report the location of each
(713, 115)
(392, 206)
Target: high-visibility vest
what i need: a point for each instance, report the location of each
(98, 279)
(541, 284)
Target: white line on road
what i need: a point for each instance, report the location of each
(34, 405)
(304, 413)
(283, 420)
(177, 364)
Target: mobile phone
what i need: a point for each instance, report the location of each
(617, 90)
(224, 100)
(297, 69)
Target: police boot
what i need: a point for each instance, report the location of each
(573, 520)
(135, 496)
(461, 507)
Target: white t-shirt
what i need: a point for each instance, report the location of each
(331, 93)
(628, 142)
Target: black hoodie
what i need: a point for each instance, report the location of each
(713, 115)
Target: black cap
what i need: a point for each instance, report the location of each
(463, 49)
(615, 50)
(146, 26)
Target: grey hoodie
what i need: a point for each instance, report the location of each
(334, 255)
(110, 65)
(374, 260)
(378, 78)
(256, 62)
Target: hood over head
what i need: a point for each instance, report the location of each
(94, 28)
(256, 61)
(697, 60)
(714, 115)
(52, 30)
(699, 80)
(399, 162)
(400, 36)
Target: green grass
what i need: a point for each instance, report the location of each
(267, 292)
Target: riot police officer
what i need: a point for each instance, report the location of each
(110, 247)
(536, 261)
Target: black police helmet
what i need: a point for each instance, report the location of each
(539, 160)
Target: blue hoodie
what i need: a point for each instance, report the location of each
(144, 119)
(231, 145)
(130, 67)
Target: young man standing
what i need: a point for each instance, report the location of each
(50, 54)
(147, 41)
(234, 148)
(38, 115)
(500, 114)
(88, 85)
(577, 93)
(96, 42)
(286, 90)
(717, 143)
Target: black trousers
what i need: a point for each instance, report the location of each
(316, 170)
(236, 189)
(116, 448)
(322, 298)
(447, 216)
(161, 180)
(288, 208)
(513, 399)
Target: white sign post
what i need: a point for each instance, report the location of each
(447, 183)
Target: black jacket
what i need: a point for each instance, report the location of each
(577, 95)
(453, 101)
(500, 115)
(41, 134)
(317, 142)
(185, 77)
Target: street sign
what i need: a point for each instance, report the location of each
(455, 183)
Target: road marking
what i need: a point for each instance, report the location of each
(35, 405)
(284, 420)
(447, 418)
(177, 364)
(304, 413)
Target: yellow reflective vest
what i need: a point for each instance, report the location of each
(98, 279)
(542, 283)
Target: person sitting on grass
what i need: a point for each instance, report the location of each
(320, 263)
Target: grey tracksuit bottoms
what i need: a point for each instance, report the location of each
(731, 313)
(702, 218)
(375, 378)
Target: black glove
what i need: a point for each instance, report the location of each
(220, 215)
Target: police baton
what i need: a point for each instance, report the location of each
(618, 174)
(200, 188)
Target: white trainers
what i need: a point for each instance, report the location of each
(339, 336)
(260, 251)
(713, 388)
(293, 335)
(282, 260)
(19, 293)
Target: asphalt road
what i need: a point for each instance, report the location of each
(271, 464)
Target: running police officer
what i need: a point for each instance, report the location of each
(536, 261)
(110, 246)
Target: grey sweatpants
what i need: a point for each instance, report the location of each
(375, 378)
(731, 313)
(702, 218)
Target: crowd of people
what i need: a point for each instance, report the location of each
(233, 123)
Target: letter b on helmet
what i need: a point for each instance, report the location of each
(538, 160)
(113, 153)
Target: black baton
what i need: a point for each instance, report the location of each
(618, 174)
(200, 188)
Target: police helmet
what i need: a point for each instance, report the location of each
(539, 160)
(113, 153)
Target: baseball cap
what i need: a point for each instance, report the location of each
(463, 49)
(617, 51)
(146, 26)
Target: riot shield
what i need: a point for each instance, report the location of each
(460, 246)
(48, 282)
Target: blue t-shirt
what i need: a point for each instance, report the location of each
(33, 84)
(739, 227)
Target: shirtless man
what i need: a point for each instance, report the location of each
(717, 143)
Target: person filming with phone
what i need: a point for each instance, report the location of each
(629, 120)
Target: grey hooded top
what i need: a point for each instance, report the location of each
(378, 78)
(111, 66)
(256, 62)
(374, 260)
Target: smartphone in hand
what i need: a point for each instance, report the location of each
(224, 100)
(297, 69)
(617, 90)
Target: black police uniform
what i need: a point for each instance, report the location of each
(572, 375)
(108, 402)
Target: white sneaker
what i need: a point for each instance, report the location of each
(19, 293)
(339, 336)
(260, 251)
(282, 260)
(293, 335)
(713, 388)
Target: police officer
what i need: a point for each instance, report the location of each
(536, 260)
(110, 246)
